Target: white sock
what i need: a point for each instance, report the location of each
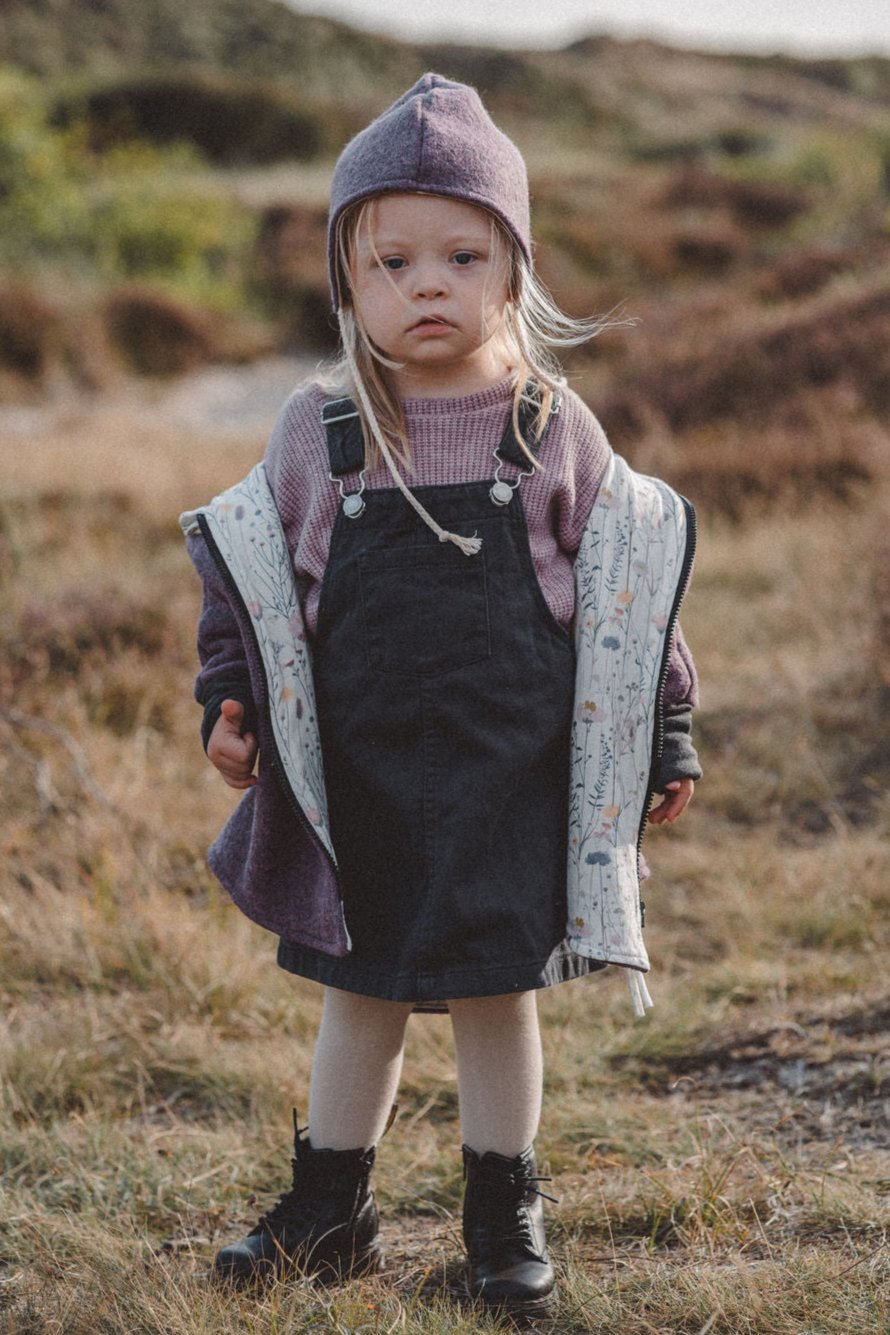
(500, 1071)
(355, 1069)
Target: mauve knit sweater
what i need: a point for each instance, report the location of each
(452, 441)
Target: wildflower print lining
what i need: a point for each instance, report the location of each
(246, 527)
(628, 578)
(628, 574)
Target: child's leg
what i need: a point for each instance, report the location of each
(327, 1221)
(499, 1071)
(355, 1069)
(500, 1074)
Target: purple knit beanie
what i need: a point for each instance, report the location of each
(437, 139)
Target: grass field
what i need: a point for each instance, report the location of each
(722, 1166)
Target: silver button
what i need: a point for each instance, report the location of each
(501, 493)
(353, 505)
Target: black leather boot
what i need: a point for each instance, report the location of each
(504, 1233)
(326, 1225)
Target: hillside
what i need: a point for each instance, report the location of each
(654, 171)
(266, 39)
(254, 39)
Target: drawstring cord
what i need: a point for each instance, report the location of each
(469, 546)
(639, 992)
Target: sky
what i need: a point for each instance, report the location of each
(841, 27)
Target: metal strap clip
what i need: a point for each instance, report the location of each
(500, 491)
(339, 417)
(353, 501)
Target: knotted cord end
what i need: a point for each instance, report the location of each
(469, 546)
(639, 992)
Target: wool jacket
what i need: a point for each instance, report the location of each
(275, 855)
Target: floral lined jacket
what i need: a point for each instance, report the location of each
(275, 855)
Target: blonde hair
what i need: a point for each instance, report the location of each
(533, 328)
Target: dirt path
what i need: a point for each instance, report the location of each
(223, 400)
(824, 1077)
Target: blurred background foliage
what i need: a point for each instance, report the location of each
(185, 153)
(164, 174)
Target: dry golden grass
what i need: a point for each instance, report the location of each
(722, 1167)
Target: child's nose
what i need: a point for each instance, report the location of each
(430, 280)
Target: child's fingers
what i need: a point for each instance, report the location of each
(233, 755)
(233, 712)
(657, 815)
(237, 773)
(675, 801)
(236, 746)
(233, 763)
(239, 780)
(228, 749)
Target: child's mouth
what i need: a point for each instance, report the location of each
(430, 323)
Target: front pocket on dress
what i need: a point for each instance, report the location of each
(425, 609)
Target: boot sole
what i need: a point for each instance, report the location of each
(517, 1307)
(367, 1262)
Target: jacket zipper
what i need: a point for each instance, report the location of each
(658, 748)
(277, 764)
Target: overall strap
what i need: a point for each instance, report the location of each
(529, 406)
(346, 442)
(346, 445)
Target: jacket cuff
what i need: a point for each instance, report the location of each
(212, 701)
(679, 758)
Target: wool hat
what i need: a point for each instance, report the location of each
(436, 139)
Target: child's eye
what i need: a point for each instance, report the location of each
(464, 257)
(393, 263)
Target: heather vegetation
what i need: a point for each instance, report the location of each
(189, 149)
(722, 1166)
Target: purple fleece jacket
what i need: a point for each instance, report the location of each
(274, 868)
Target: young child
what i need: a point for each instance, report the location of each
(443, 616)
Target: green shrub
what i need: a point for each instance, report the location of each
(147, 225)
(42, 199)
(228, 122)
(132, 213)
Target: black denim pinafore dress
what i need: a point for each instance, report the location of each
(444, 687)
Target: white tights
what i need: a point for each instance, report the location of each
(358, 1060)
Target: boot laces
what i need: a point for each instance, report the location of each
(511, 1223)
(510, 1188)
(298, 1206)
(291, 1210)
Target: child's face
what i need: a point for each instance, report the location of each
(430, 283)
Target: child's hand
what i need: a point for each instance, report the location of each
(233, 753)
(676, 799)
